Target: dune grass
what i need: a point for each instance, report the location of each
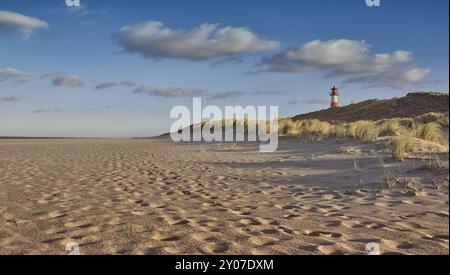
(400, 131)
(402, 146)
(390, 127)
(431, 131)
(439, 118)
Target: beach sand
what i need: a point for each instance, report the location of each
(156, 197)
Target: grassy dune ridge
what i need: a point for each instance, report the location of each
(401, 135)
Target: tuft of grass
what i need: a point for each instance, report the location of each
(390, 127)
(435, 164)
(406, 122)
(364, 130)
(341, 130)
(408, 187)
(381, 163)
(430, 132)
(439, 118)
(289, 128)
(402, 146)
(315, 127)
(285, 126)
(440, 183)
(388, 181)
(356, 166)
(346, 149)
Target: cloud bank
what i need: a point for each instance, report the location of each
(168, 92)
(106, 85)
(226, 95)
(15, 75)
(208, 41)
(16, 22)
(350, 59)
(54, 110)
(66, 80)
(235, 94)
(12, 98)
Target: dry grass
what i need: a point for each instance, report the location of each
(407, 187)
(439, 118)
(364, 130)
(315, 127)
(390, 127)
(402, 131)
(346, 149)
(356, 166)
(290, 128)
(381, 163)
(402, 146)
(440, 183)
(435, 164)
(388, 181)
(430, 131)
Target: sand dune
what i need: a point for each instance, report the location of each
(157, 197)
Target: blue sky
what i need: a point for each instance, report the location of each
(286, 53)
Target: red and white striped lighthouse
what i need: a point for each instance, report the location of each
(334, 97)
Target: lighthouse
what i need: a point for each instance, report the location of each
(334, 97)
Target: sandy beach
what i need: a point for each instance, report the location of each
(157, 197)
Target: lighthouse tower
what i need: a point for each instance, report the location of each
(334, 97)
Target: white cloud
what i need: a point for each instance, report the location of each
(227, 60)
(106, 85)
(208, 41)
(15, 75)
(12, 98)
(351, 59)
(226, 95)
(264, 92)
(177, 92)
(128, 83)
(43, 110)
(397, 79)
(16, 22)
(142, 90)
(67, 80)
(234, 94)
(168, 92)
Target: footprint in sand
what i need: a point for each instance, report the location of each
(330, 250)
(249, 221)
(174, 250)
(215, 248)
(176, 220)
(204, 237)
(56, 214)
(78, 224)
(322, 233)
(166, 236)
(262, 240)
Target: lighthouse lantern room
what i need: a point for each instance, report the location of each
(334, 97)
